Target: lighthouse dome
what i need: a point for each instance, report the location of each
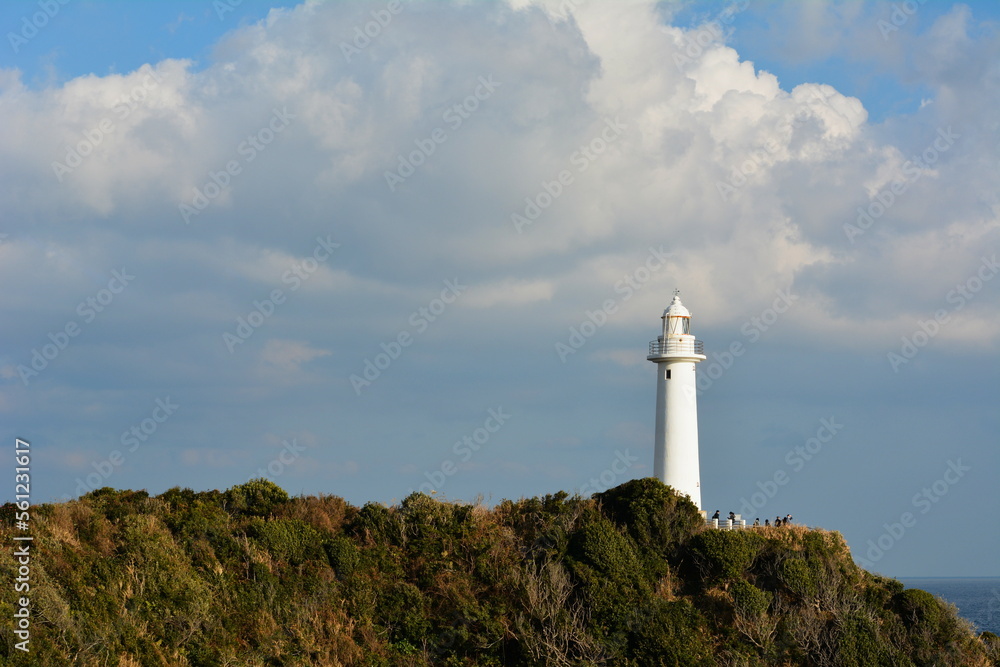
(676, 319)
(676, 309)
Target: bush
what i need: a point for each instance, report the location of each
(799, 578)
(915, 606)
(670, 634)
(543, 525)
(402, 611)
(858, 643)
(288, 540)
(605, 563)
(726, 555)
(377, 524)
(249, 576)
(343, 556)
(748, 600)
(258, 497)
(992, 644)
(656, 517)
(118, 504)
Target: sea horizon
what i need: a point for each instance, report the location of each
(987, 576)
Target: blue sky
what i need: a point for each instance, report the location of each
(115, 37)
(261, 244)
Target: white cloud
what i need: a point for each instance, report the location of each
(798, 164)
(508, 292)
(807, 156)
(288, 356)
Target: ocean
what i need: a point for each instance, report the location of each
(977, 599)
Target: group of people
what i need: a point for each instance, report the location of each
(778, 521)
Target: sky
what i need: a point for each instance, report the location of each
(367, 249)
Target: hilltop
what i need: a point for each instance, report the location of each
(631, 576)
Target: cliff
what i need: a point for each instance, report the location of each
(250, 576)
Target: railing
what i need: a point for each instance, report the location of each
(671, 346)
(734, 524)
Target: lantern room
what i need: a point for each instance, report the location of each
(676, 318)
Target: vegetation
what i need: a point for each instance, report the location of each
(631, 576)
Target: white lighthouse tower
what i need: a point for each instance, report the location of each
(675, 447)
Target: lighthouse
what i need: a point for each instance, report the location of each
(675, 446)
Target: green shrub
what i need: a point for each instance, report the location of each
(748, 600)
(165, 591)
(543, 525)
(403, 611)
(601, 546)
(726, 555)
(916, 606)
(288, 540)
(656, 517)
(258, 497)
(251, 577)
(118, 504)
(605, 563)
(879, 593)
(799, 578)
(859, 645)
(343, 555)
(670, 634)
(377, 523)
(991, 642)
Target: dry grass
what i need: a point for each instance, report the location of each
(325, 513)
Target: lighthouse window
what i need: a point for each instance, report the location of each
(666, 374)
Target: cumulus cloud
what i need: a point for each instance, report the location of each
(605, 129)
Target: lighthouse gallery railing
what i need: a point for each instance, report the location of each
(672, 346)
